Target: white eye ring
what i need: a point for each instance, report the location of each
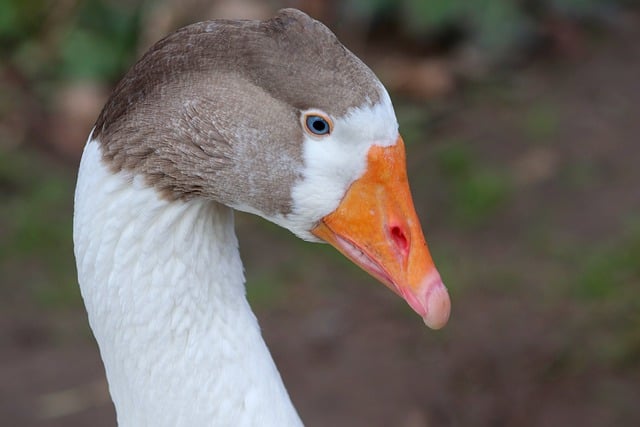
(317, 123)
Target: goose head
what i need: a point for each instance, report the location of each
(279, 119)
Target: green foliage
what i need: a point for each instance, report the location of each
(412, 119)
(35, 237)
(454, 160)
(498, 27)
(578, 7)
(93, 39)
(494, 24)
(541, 121)
(608, 278)
(20, 20)
(422, 15)
(101, 41)
(613, 271)
(475, 191)
(265, 290)
(582, 175)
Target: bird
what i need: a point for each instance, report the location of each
(273, 117)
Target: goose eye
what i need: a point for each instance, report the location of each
(317, 125)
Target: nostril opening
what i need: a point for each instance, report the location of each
(400, 240)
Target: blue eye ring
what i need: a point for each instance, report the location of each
(317, 123)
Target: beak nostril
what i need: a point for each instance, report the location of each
(400, 240)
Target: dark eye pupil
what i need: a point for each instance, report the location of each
(317, 125)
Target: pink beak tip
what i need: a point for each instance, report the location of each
(438, 305)
(431, 301)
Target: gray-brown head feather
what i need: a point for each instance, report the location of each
(213, 110)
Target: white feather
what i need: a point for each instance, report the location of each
(164, 289)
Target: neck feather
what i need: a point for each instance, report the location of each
(164, 290)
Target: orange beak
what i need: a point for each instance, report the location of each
(376, 226)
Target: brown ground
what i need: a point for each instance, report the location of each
(524, 347)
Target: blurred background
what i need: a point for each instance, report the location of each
(522, 124)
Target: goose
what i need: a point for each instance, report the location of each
(275, 118)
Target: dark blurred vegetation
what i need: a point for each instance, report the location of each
(48, 41)
(525, 170)
(54, 41)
